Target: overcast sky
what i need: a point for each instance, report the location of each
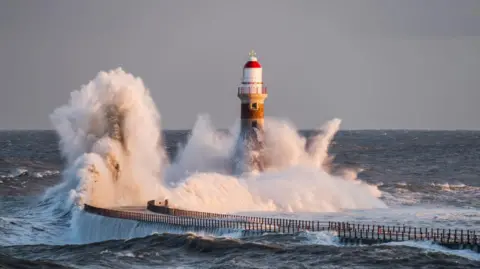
(374, 64)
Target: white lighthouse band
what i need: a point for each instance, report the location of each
(252, 70)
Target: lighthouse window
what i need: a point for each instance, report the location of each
(254, 106)
(254, 124)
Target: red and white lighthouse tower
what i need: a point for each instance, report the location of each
(252, 93)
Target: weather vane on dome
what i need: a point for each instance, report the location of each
(252, 54)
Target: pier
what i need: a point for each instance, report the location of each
(348, 233)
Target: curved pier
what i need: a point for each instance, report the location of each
(348, 233)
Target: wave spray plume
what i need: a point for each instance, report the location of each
(110, 137)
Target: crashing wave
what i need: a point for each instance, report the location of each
(110, 136)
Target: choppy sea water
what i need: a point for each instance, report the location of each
(426, 178)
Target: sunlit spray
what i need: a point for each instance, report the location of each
(111, 139)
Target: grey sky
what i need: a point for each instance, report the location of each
(374, 64)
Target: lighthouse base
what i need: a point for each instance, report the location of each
(249, 152)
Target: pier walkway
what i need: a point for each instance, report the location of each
(348, 233)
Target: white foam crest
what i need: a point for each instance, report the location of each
(431, 246)
(453, 186)
(16, 172)
(45, 173)
(325, 238)
(291, 190)
(20, 172)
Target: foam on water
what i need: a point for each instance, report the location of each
(23, 172)
(429, 246)
(330, 239)
(14, 173)
(322, 238)
(45, 173)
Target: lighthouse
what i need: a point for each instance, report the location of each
(252, 93)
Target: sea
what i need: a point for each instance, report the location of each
(108, 148)
(429, 178)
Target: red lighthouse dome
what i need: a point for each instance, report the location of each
(252, 64)
(252, 61)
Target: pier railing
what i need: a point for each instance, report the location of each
(345, 229)
(347, 232)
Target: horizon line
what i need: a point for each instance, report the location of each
(299, 129)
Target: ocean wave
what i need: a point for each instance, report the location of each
(8, 262)
(429, 246)
(45, 173)
(24, 172)
(15, 172)
(453, 186)
(411, 193)
(191, 250)
(420, 186)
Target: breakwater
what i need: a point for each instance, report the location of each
(348, 233)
